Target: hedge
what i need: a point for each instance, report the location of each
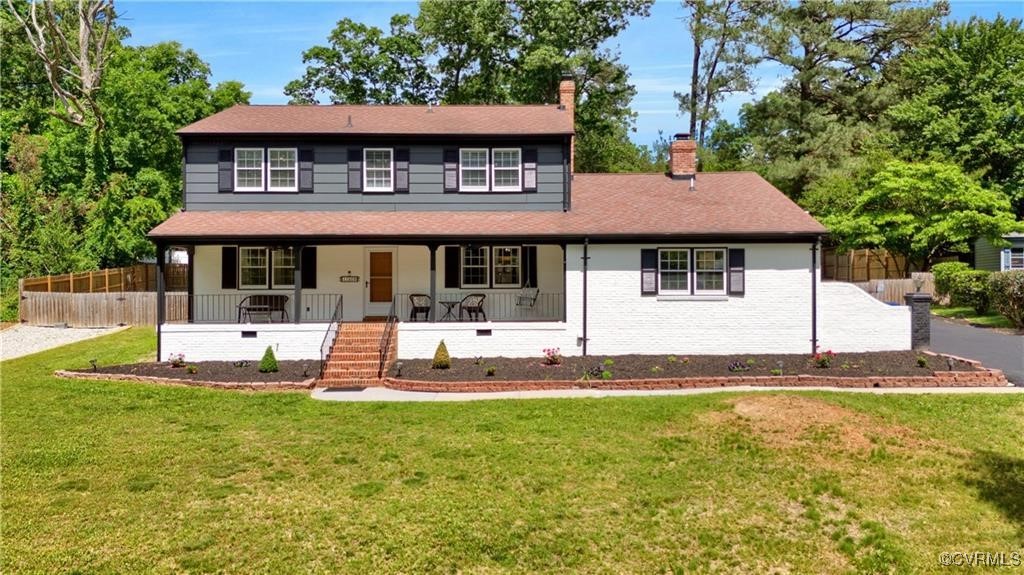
(1007, 293)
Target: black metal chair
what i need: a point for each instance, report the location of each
(473, 306)
(419, 304)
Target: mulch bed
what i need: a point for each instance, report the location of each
(223, 371)
(879, 364)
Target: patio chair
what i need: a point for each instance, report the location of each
(263, 304)
(419, 304)
(473, 306)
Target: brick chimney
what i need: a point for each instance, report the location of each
(682, 157)
(567, 101)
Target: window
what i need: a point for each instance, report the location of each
(284, 169)
(377, 166)
(473, 169)
(709, 271)
(252, 264)
(249, 169)
(1017, 258)
(506, 266)
(474, 267)
(507, 162)
(283, 268)
(674, 271)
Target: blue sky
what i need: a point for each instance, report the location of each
(261, 44)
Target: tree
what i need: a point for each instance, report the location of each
(963, 99)
(721, 61)
(922, 210)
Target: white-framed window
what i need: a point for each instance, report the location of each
(378, 173)
(475, 267)
(252, 268)
(249, 169)
(283, 169)
(506, 169)
(282, 268)
(674, 271)
(473, 169)
(708, 271)
(1016, 259)
(507, 266)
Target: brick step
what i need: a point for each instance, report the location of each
(373, 364)
(348, 383)
(329, 374)
(353, 356)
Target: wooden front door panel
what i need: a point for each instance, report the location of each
(380, 277)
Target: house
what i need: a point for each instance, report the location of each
(997, 259)
(469, 224)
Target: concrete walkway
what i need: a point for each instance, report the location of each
(385, 394)
(992, 348)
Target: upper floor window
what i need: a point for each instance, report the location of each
(284, 169)
(249, 169)
(473, 169)
(378, 169)
(506, 169)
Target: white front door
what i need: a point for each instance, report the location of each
(379, 287)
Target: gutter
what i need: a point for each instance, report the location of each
(814, 296)
(586, 260)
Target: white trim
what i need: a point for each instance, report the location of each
(234, 170)
(519, 266)
(725, 265)
(266, 266)
(391, 162)
(486, 168)
(519, 169)
(1010, 256)
(486, 267)
(687, 271)
(295, 171)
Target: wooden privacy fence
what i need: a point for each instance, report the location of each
(861, 265)
(137, 278)
(99, 309)
(893, 290)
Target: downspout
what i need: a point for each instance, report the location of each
(814, 297)
(586, 259)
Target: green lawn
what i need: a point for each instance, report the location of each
(120, 477)
(991, 319)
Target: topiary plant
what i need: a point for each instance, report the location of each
(269, 363)
(441, 358)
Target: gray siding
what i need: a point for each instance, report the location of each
(989, 257)
(330, 185)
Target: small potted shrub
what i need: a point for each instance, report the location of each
(269, 363)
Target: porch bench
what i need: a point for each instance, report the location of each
(263, 304)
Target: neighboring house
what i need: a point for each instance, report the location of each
(353, 209)
(989, 257)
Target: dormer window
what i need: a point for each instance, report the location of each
(377, 171)
(506, 169)
(249, 169)
(473, 169)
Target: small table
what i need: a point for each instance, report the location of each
(449, 309)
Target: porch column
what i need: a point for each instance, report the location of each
(297, 260)
(191, 251)
(160, 295)
(433, 282)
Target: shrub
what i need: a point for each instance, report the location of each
(738, 366)
(1006, 290)
(491, 371)
(441, 358)
(944, 273)
(269, 363)
(970, 288)
(193, 369)
(824, 359)
(553, 356)
(176, 359)
(606, 375)
(922, 361)
(776, 371)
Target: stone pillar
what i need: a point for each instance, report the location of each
(920, 319)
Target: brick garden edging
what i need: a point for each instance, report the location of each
(233, 385)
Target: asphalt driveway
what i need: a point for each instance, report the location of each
(991, 348)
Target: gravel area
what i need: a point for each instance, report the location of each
(27, 339)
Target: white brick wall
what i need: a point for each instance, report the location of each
(526, 339)
(849, 319)
(224, 342)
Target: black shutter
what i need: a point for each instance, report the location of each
(305, 170)
(649, 272)
(737, 264)
(452, 254)
(530, 266)
(402, 171)
(355, 170)
(226, 170)
(228, 267)
(530, 170)
(308, 267)
(451, 170)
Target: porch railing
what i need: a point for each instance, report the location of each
(330, 335)
(385, 339)
(497, 306)
(228, 308)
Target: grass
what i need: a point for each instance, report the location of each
(991, 319)
(106, 477)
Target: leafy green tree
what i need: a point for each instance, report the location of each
(963, 100)
(922, 210)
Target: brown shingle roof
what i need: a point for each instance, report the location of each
(386, 120)
(603, 206)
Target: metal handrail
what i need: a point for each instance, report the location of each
(385, 338)
(329, 336)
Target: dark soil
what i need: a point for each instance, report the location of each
(219, 371)
(883, 363)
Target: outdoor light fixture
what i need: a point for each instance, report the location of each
(92, 362)
(398, 369)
